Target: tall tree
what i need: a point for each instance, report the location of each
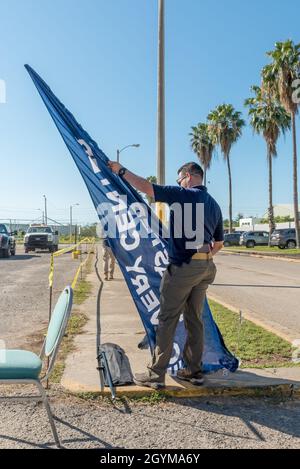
(225, 128)
(280, 78)
(268, 118)
(153, 180)
(203, 146)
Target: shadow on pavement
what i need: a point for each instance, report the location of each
(253, 413)
(18, 257)
(87, 438)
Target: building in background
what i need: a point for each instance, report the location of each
(15, 225)
(253, 224)
(282, 210)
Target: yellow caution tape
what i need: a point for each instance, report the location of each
(51, 272)
(76, 278)
(80, 267)
(74, 246)
(90, 241)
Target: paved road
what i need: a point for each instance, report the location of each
(24, 293)
(183, 423)
(268, 289)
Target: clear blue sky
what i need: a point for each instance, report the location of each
(100, 59)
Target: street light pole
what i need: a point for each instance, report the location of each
(70, 224)
(43, 218)
(46, 218)
(71, 221)
(135, 145)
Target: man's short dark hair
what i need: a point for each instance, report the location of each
(192, 168)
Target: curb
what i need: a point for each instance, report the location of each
(275, 390)
(281, 257)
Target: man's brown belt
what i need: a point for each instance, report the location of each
(202, 256)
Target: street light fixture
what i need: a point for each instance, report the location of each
(135, 145)
(71, 209)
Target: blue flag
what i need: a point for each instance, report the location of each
(134, 233)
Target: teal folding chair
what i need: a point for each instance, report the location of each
(23, 367)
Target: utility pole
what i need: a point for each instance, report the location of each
(46, 218)
(161, 95)
(161, 105)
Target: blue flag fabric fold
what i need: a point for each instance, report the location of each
(134, 232)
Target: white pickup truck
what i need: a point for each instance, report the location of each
(41, 237)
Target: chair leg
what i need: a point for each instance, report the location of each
(50, 416)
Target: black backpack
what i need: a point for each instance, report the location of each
(118, 364)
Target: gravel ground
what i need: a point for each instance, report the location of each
(182, 423)
(24, 294)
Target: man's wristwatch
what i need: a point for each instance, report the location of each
(122, 171)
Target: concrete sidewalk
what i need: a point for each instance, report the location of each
(120, 324)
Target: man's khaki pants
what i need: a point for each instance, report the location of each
(182, 290)
(108, 261)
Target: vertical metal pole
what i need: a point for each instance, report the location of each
(50, 307)
(70, 224)
(118, 156)
(46, 218)
(161, 105)
(50, 301)
(161, 95)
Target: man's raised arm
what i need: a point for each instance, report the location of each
(138, 182)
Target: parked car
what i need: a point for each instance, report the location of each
(232, 239)
(41, 237)
(254, 238)
(7, 242)
(284, 238)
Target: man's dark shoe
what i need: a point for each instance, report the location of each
(143, 379)
(194, 378)
(144, 344)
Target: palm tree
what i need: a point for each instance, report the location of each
(153, 180)
(203, 146)
(279, 77)
(225, 128)
(269, 118)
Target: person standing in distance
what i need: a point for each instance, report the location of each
(108, 260)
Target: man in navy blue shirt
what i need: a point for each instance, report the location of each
(196, 235)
